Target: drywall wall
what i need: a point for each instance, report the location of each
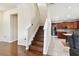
(27, 15)
(43, 13)
(1, 24)
(23, 21)
(63, 11)
(34, 22)
(6, 24)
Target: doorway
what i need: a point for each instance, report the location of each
(14, 34)
(14, 27)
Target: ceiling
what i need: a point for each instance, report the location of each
(60, 12)
(7, 6)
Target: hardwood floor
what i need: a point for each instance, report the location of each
(7, 49)
(12, 49)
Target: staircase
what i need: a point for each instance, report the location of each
(36, 48)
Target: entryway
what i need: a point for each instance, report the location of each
(14, 27)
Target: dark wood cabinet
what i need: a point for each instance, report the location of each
(66, 25)
(78, 24)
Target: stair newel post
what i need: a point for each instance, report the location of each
(27, 40)
(27, 37)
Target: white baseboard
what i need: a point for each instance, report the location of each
(12, 41)
(8, 41)
(4, 41)
(23, 44)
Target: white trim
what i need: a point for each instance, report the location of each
(5, 41)
(12, 41)
(33, 35)
(28, 27)
(8, 41)
(21, 44)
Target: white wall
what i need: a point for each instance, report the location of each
(6, 24)
(27, 15)
(23, 21)
(43, 13)
(63, 11)
(34, 22)
(1, 25)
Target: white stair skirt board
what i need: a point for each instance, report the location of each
(56, 48)
(31, 39)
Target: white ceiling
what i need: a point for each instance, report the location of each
(7, 6)
(64, 11)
